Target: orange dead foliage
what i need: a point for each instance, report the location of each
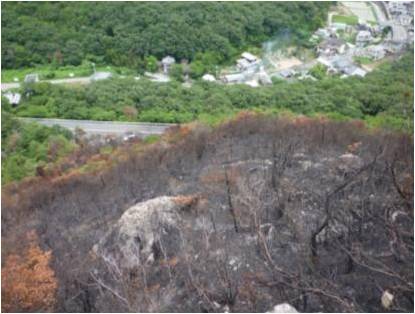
(28, 283)
(245, 114)
(352, 148)
(185, 201)
(170, 262)
(303, 121)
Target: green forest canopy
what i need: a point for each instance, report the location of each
(125, 33)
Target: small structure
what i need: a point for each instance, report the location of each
(263, 77)
(363, 37)
(13, 98)
(233, 78)
(208, 78)
(331, 47)
(167, 62)
(405, 20)
(287, 73)
(247, 62)
(396, 7)
(376, 52)
(322, 33)
(324, 61)
(250, 57)
(354, 71)
(157, 77)
(31, 78)
(98, 76)
(339, 26)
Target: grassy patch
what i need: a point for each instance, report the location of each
(151, 139)
(363, 60)
(346, 19)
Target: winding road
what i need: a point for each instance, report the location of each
(75, 80)
(141, 129)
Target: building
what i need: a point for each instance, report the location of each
(339, 26)
(13, 98)
(263, 77)
(98, 76)
(405, 20)
(324, 61)
(363, 37)
(322, 33)
(167, 62)
(331, 47)
(286, 73)
(247, 62)
(31, 78)
(376, 52)
(208, 78)
(234, 78)
(354, 71)
(250, 57)
(396, 7)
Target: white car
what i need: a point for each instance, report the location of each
(128, 136)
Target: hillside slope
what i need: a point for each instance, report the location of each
(256, 212)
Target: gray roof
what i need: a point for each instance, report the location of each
(31, 78)
(168, 60)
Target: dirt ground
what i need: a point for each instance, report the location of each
(285, 63)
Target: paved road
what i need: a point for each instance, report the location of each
(106, 127)
(75, 80)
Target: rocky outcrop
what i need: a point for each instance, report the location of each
(139, 234)
(283, 308)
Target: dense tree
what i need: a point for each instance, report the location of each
(26, 146)
(123, 33)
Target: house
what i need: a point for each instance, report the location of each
(396, 7)
(98, 76)
(322, 33)
(250, 57)
(31, 78)
(287, 73)
(233, 78)
(331, 46)
(354, 71)
(208, 78)
(13, 98)
(247, 62)
(405, 20)
(324, 61)
(264, 78)
(363, 37)
(242, 64)
(376, 52)
(167, 62)
(339, 26)
(342, 64)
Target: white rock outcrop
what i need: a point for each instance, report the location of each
(283, 308)
(131, 240)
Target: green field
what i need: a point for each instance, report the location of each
(346, 19)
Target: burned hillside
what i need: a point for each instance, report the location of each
(256, 212)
